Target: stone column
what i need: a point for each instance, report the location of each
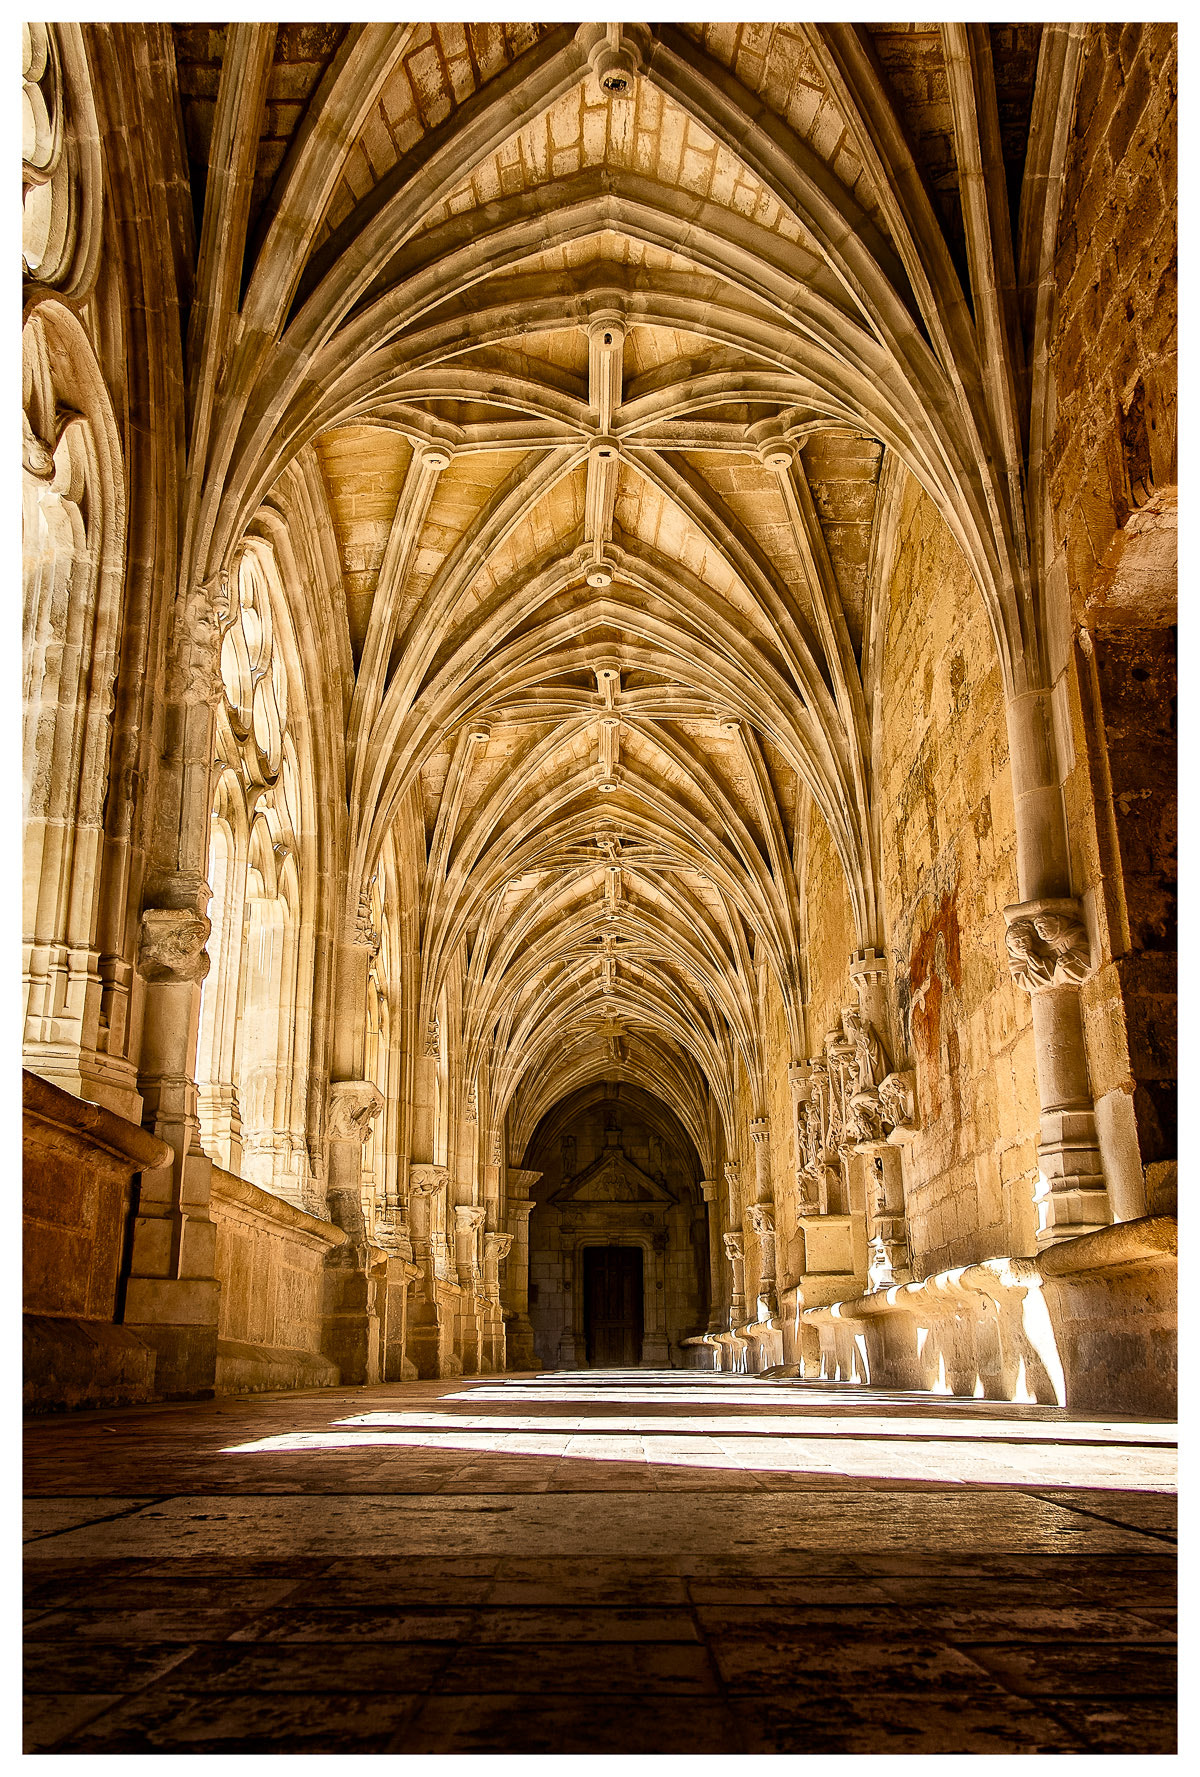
(887, 1227)
(735, 1253)
(468, 1220)
(424, 1182)
(496, 1248)
(762, 1220)
(1070, 1197)
(1049, 956)
(711, 1193)
(429, 1337)
(760, 1136)
(495, 1251)
(353, 1106)
(519, 1183)
(172, 1294)
(351, 1330)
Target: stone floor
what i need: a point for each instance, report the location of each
(609, 1561)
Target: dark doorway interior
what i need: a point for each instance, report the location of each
(612, 1305)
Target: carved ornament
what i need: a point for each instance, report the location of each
(847, 1099)
(353, 1104)
(1047, 944)
(171, 944)
(425, 1180)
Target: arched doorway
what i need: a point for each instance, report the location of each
(618, 1239)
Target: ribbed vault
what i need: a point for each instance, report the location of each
(599, 354)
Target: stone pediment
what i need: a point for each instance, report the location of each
(613, 1178)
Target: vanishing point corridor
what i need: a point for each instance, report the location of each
(611, 1561)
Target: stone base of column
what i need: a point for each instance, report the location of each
(888, 1257)
(350, 1321)
(432, 1324)
(1070, 1197)
(518, 1343)
(471, 1334)
(185, 1367)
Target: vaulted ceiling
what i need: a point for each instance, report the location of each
(601, 352)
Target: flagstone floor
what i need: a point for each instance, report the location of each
(603, 1561)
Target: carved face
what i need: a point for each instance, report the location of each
(1054, 930)
(1021, 940)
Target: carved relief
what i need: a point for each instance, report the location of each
(433, 1038)
(847, 1100)
(353, 1104)
(1047, 944)
(171, 944)
(472, 1105)
(365, 935)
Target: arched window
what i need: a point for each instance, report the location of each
(252, 1056)
(60, 154)
(73, 545)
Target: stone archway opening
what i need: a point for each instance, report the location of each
(618, 1237)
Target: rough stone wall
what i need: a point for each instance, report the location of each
(1112, 357)
(949, 868)
(1111, 453)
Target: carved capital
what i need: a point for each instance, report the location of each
(1047, 944)
(708, 1190)
(425, 1180)
(171, 944)
(735, 1248)
(391, 1231)
(194, 661)
(365, 936)
(761, 1218)
(731, 1175)
(497, 1247)
(468, 1216)
(353, 1104)
(760, 1129)
(898, 1103)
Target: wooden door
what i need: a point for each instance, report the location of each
(612, 1305)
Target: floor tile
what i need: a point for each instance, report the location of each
(1079, 1668)
(580, 1724)
(1120, 1724)
(614, 1669)
(54, 1715)
(196, 1600)
(171, 1720)
(893, 1723)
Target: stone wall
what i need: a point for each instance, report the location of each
(1111, 571)
(949, 866)
(271, 1263)
(1112, 356)
(79, 1161)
